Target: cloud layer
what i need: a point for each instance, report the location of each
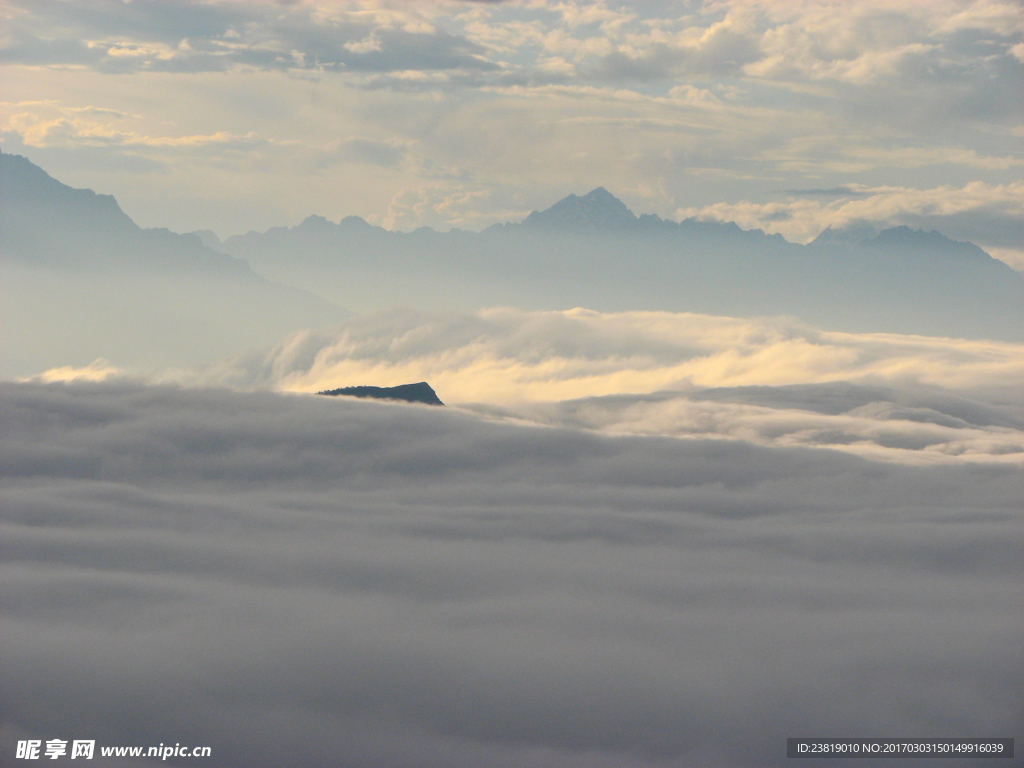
(904, 398)
(294, 579)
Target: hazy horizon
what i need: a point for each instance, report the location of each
(855, 225)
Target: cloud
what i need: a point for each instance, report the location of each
(556, 355)
(1002, 18)
(861, 43)
(333, 582)
(454, 203)
(196, 37)
(663, 373)
(990, 215)
(904, 424)
(721, 48)
(99, 369)
(79, 132)
(817, 154)
(1012, 256)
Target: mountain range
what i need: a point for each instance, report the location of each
(592, 251)
(82, 280)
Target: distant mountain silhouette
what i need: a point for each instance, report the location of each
(82, 280)
(853, 234)
(600, 212)
(44, 222)
(598, 209)
(412, 393)
(863, 236)
(592, 251)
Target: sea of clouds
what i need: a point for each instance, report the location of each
(643, 539)
(772, 381)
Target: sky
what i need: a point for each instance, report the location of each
(785, 116)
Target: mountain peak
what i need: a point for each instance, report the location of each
(26, 187)
(315, 221)
(602, 196)
(598, 209)
(854, 233)
(861, 234)
(421, 392)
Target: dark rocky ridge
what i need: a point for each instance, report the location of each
(421, 392)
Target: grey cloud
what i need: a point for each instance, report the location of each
(834, 398)
(725, 55)
(23, 48)
(406, 51)
(206, 37)
(167, 22)
(877, 420)
(941, 90)
(314, 581)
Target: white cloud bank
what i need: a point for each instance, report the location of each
(773, 381)
(296, 580)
